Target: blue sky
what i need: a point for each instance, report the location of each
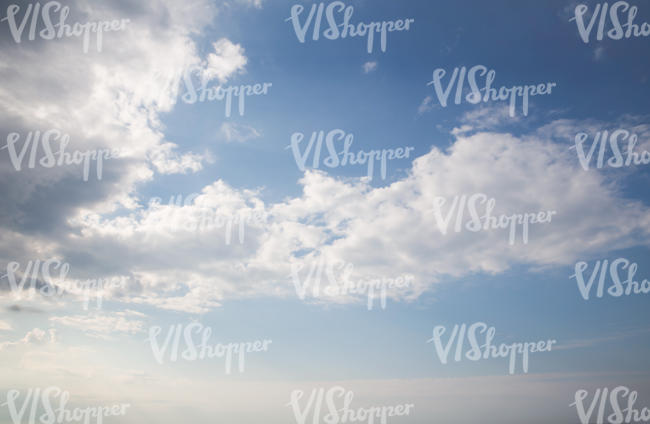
(384, 228)
(321, 84)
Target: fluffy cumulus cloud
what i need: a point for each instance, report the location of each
(398, 230)
(228, 58)
(190, 254)
(227, 243)
(109, 100)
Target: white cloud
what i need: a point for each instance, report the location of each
(231, 131)
(485, 118)
(228, 59)
(369, 67)
(167, 161)
(348, 220)
(462, 129)
(599, 53)
(251, 3)
(426, 105)
(102, 325)
(382, 231)
(35, 336)
(115, 103)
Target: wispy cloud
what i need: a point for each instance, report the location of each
(485, 118)
(369, 67)
(240, 133)
(599, 53)
(426, 105)
(103, 325)
(592, 342)
(35, 336)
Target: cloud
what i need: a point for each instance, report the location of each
(18, 309)
(369, 67)
(485, 118)
(167, 161)
(35, 336)
(252, 3)
(116, 104)
(228, 59)
(103, 325)
(240, 133)
(426, 105)
(616, 337)
(462, 129)
(384, 232)
(565, 130)
(599, 53)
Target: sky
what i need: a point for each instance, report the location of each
(209, 216)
